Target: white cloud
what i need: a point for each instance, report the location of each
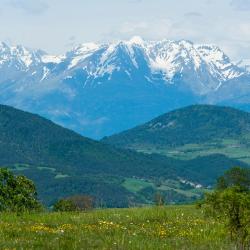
(223, 22)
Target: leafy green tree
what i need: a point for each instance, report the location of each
(230, 204)
(65, 205)
(236, 176)
(17, 193)
(74, 203)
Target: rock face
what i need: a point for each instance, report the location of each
(101, 89)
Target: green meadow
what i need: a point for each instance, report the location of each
(169, 227)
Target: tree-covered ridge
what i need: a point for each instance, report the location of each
(190, 125)
(33, 140)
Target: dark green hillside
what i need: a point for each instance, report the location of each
(63, 163)
(191, 125)
(194, 131)
(28, 139)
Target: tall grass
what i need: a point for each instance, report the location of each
(173, 227)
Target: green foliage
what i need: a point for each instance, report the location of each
(230, 203)
(17, 193)
(74, 203)
(64, 205)
(239, 177)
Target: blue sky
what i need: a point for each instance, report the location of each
(57, 25)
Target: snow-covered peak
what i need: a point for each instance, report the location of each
(173, 56)
(86, 47)
(82, 52)
(219, 62)
(24, 55)
(244, 64)
(3, 46)
(19, 55)
(212, 53)
(136, 40)
(186, 44)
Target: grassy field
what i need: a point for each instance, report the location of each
(172, 227)
(236, 149)
(137, 185)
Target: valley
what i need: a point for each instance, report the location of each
(133, 166)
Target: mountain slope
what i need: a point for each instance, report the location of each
(64, 163)
(101, 89)
(39, 148)
(190, 132)
(190, 125)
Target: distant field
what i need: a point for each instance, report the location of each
(173, 227)
(235, 149)
(169, 188)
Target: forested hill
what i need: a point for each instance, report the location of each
(191, 125)
(31, 139)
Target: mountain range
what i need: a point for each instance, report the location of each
(101, 89)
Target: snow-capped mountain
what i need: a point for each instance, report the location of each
(244, 63)
(100, 89)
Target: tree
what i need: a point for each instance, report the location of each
(236, 176)
(230, 204)
(64, 205)
(159, 199)
(17, 193)
(74, 203)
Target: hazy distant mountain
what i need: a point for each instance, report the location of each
(101, 89)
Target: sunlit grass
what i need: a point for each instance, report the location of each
(173, 227)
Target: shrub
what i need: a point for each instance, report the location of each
(230, 203)
(64, 205)
(75, 203)
(17, 193)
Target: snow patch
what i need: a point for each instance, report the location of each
(45, 73)
(52, 59)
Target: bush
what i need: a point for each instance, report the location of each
(74, 203)
(64, 206)
(17, 193)
(230, 204)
